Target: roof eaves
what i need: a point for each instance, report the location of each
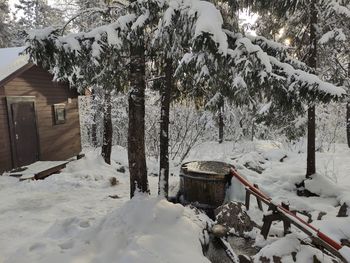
(15, 73)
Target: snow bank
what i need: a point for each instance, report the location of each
(285, 247)
(322, 186)
(144, 229)
(88, 172)
(91, 168)
(69, 217)
(336, 228)
(325, 187)
(211, 151)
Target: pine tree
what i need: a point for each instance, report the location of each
(301, 22)
(35, 14)
(89, 14)
(335, 47)
(5, 27)
(312, 62)
(166, 93)
(38, 14)
(215, 62)
(167, 49)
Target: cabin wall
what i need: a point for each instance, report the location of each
(57, 142)
(5, 146)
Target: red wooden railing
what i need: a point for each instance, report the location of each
(318, 237)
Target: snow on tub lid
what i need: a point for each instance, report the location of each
(207, 167)
(11, 60)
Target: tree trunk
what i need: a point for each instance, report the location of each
(107, 129)
(311, 126)
(94, 125)
(348, 108)
(348, 122)
(167, 87)
(311, 142)
(253, 129)
(221, 121)
(136, 129)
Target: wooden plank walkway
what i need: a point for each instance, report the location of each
(38, 170)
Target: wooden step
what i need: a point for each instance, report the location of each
(38, 170)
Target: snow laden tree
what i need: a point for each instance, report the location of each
(91, 59)
(335, 48)
(181, 26)
(88, 15)
(176, 32)
(221, 64)
(34, 14)
(166, 49)
(136, 97)
(95, 58)
(254, 67)
(300, 21)
(260, 70)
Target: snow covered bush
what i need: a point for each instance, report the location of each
(91, 120)
(331, 125)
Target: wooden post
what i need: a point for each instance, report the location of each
(286, 222)
(247, 199)
(258, 200)
(268, 219)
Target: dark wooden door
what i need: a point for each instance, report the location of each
(24, 133)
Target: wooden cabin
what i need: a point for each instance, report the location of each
(39, 118)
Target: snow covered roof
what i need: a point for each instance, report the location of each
(11, 61)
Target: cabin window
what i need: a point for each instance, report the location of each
(59, 111)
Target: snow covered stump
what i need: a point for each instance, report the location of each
(343, 210)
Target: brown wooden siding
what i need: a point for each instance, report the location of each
(57, 142)
(5, 147)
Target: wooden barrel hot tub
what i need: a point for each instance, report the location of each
(202, 183)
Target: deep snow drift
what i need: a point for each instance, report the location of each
(69, 217)
(144, 229)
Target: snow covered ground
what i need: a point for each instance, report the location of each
(280, 170)
(69, 217)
